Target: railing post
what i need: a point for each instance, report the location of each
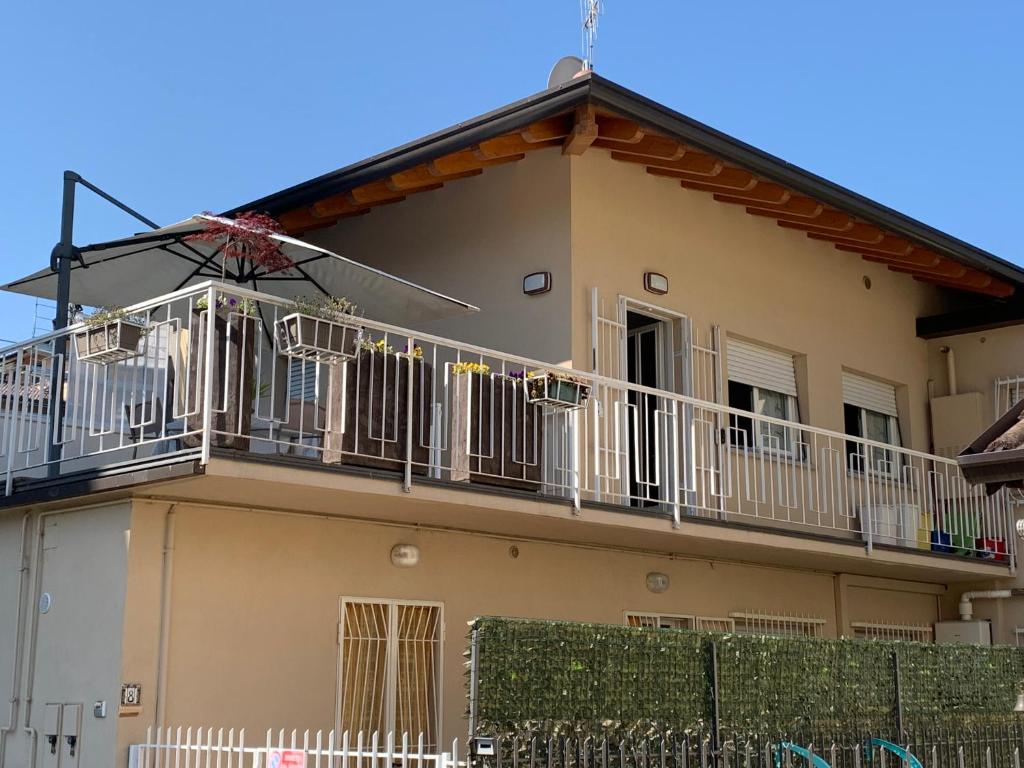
(713, 685)
(869, 534)
(410, 396)
(12, 422)
(211, 312)
(574, 458)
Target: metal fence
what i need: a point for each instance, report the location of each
(220, 748)
(214, 367)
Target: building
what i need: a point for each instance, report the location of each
(780, 373)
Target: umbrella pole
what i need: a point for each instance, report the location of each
(63, 254)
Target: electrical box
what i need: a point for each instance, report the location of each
(963, 632)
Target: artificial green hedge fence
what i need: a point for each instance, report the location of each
(599, 679)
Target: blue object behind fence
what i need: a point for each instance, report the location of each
(901, 752)
(796, 749)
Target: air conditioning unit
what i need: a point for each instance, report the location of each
(963, 632)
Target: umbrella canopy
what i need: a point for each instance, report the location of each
(128, 271)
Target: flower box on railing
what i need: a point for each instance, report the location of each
(318, 339)
(991, 548)
(497, 436)
(368, 419)
(557, 390)
(109, 342)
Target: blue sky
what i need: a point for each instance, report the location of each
(186, 106)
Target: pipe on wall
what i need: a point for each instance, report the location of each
(166, 575)
(967, 599)
(19, 639)
(950, 368)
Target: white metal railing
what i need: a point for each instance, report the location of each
(220, 748)
(422, 406)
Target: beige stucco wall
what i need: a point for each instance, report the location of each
(752, 278)
(475, 240)
(255, 602)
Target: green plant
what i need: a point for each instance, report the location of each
(231, 303)
(106, 315)
(611, 680)
(325, 307)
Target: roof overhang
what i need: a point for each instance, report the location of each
(594, 92)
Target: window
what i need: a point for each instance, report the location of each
(302, 380)
(762, 381)
(390, 668)
(777, 625)
(913, 633)
(679, 621)
(869, 412)
(659, 621)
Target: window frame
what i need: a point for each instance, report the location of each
(756, 429)
(894, 433)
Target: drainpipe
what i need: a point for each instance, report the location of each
(967, 608)
(165, 619)
(950, 368)
(19, 639)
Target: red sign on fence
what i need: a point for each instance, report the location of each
(286, 758)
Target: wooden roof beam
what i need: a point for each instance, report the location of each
(819, 215)
(882, 243)
(508, 145)
(557, 127)
(731, 180)
(690, 162)
(467, 160)
(650, 145)
(613, 128)
(797, 206)
(762, 193)
(584, 132)
(423, 176)
(997, 288)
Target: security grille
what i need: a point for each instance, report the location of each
(390, 668)
(777, 625)
(913, 633)
(1009, 392)
(660, 621)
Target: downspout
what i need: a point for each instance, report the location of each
(950, 368)
(19, 639)
(967, 598)
(165, 618)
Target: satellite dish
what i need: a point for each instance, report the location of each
(565, 69)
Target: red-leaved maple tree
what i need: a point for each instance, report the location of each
(247, 236)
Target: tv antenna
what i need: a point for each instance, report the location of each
(590, 10)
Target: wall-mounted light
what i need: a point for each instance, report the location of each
(537, 283)
(655, 282)
(657, 582)
(405, 555)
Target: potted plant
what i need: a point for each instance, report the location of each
(368, 408)
(249, 237)
(557, 389)
(233, 379)
(497, 435)
(110, 335)
(322, 329)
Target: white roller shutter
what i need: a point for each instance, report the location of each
(761, 367)
(871, 394)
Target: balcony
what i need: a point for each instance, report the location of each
(165, 383)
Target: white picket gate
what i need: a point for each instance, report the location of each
(228, 748)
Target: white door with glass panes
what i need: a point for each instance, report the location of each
(389, 669)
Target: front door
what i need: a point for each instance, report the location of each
(646, 366)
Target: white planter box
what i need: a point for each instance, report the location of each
(894, 524)
(318, 339)
(554, 391)
(110, 342)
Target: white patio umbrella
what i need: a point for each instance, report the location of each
(128, 271)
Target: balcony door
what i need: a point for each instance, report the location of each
(649, 364)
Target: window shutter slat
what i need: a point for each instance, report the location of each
(761, 367)
(870, 394)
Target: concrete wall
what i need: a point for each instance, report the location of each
(475, 240)
(752, 278)
(256, 596)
